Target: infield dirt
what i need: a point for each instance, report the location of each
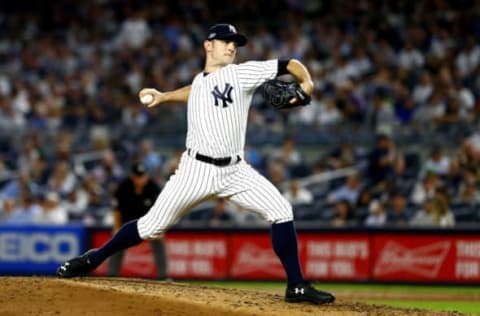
(118, 297)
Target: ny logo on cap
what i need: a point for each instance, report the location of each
(232, 28)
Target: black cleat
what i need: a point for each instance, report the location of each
(304, 292)
(77, 266)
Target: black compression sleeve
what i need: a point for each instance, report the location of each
(282, 67)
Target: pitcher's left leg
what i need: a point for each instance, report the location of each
(254, 192)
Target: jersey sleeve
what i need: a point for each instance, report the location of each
(252, 74)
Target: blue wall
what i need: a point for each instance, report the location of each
(38, 250)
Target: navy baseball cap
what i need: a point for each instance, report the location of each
(224, 32)
(138, 168)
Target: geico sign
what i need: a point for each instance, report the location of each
(38, 247)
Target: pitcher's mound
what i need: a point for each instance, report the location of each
(115, 296)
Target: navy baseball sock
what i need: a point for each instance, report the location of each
(284, 241)
(125, 238)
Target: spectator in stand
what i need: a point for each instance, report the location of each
(297, 194)
(220, 214)
(364, 198)
(424, 215)
(377, 216)
(348, 191)
(468, 188)
(424, 89)
(328, 112)
(361, 61)
(342, 156)
(350, 102)
(31, 151)
(97, 195)
(397, 212)
(8, 207)
(171, 164)
(453, 178)
(343, 214)
(405, 109)
(430, 113)
(14, 187)
(134, 31)
(443, 195)
(425, 188)
(467, 60)
(454, 116)
(288, 153)
(152, 160)
(380, 116)
(134, 116)
(108, 173)
(23, 211)
(76, 203)
(62, 180)
(464, 96)
(402, 178)
(253, 156)
(380, 161)
(321, 111)
(277, 172)
(468, 193)
(410, 58)
(435, 212)
(437, 163)
(471, 149)
(52, 212)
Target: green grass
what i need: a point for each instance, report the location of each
(472, 308)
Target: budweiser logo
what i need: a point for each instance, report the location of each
(252, 258)
(424, 261)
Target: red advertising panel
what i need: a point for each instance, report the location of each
(467, 259)
(199, 255)
(375, 256)
(252, 257)
(335, 256)
(421, 257)
(137, 261)
(339, 257)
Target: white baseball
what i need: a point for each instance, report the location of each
(146, 99)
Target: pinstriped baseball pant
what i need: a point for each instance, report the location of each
(195, 182)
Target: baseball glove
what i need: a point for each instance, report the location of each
(279, 94)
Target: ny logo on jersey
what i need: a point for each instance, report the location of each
(225, 96)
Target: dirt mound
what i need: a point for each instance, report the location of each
(116, 296)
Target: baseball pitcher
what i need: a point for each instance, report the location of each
(213, 165)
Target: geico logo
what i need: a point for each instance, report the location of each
(38, 247)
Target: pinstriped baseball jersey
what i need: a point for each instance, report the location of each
(218, 107)
(217, 116)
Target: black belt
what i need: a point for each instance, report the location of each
(215, 161)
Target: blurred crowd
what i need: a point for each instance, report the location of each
(396, 103)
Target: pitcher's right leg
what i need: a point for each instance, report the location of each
(190, 185)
